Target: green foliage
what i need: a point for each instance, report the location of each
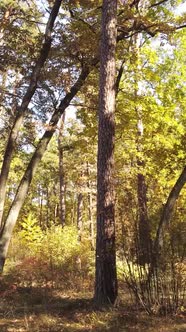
(53, 258)
(61, 247)
(31, 234)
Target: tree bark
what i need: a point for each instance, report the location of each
(24, 105)
(26, 180)
(106, 277)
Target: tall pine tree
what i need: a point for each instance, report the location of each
(106, 278)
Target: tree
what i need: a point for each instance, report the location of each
(62, 207)
(168, 210)
(106, 278)
(10, 147)
(26, 180)
(68, 57)
(144, 237)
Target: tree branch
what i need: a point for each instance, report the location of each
(158, 3)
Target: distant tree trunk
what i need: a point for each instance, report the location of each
(80, 215)
(62, 207)
(90, 208)
(40, 207)
(144, 254)
(73, 210)
(6, 232)
(47, 208)
(106, 288)
(11, 144)
(3, 88)
(56, 212)
(144, 243)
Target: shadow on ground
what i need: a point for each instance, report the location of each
(47, 310)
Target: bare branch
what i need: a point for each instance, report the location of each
(158, 3)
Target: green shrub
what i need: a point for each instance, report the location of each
(31, 233)
(53, 258)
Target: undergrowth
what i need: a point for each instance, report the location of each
(53, 258)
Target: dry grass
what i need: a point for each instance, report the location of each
(49, 310)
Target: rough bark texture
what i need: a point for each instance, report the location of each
(24, 105)
(24, 185)
(168, 209)
(106, 277)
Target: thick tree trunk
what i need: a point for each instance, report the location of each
(168, 210)
(24, 105)
(106, 278)
(24, 185)
(62, 207)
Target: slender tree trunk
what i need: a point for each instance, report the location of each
(168, 210)
(80, 197)
(47, 208)
(90, 208)
(3, 88)
(62, 207)
(41, 208)
(80, 215)
(56, 213)
(143, 221)
(11, 144)
(73, 210)
(6, 232)
(144, 254)
(106, 278)
(144, 243)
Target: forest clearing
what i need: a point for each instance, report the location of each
(92, 159)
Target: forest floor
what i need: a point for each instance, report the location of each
(47, 310)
